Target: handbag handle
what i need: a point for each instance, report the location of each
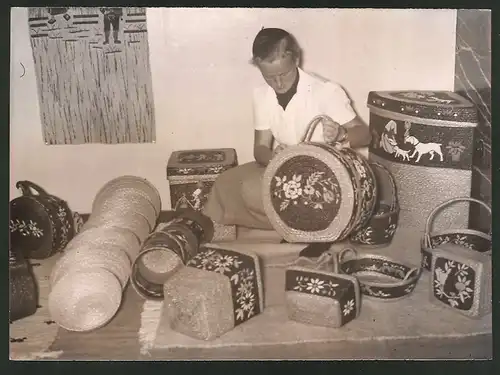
(427, 235)
(340, 257)
(384, 169)
(312, 126)
(27, 188)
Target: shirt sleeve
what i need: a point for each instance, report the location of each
(337, 104)
(260, 112)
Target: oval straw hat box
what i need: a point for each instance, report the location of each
(379, 277)
(315, 192)
(470, 239)
(133, 182)
(380, 229)
(85, 301)
(426, 140)
(40, 224)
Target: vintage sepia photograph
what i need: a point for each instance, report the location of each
(273, 184)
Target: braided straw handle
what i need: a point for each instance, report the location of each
(384, 169)
(312, 126)
(427, 236)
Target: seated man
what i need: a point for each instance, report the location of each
(283, 108)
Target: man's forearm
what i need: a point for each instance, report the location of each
(262, 155)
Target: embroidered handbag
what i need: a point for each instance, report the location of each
(23, 296)
(316, 192)
(40, 224)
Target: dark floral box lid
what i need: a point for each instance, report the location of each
(437, 105)
(201, 161)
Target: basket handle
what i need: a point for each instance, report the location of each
(411, 273)
(27, 188)
(312, 126)
(427, 235)
(384, 169)
(340, 257)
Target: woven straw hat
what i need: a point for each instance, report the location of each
(113, 236)
(110, 258)
(86, 300)
(124, 200)
(135, 182)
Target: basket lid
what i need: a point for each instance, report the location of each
(439, 105)
(308, 193)
(201, 161)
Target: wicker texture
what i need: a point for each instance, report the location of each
(124, 212)
(471, 239)
(219, 289)
(317, 192)
(380, 229)
(84, 301)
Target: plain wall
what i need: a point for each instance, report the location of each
(202, 83)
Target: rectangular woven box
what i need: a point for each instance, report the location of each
(218, 290)
(191, 175)
(461, 280)
(426, 140)
(321, 298)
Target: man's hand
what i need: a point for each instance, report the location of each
(331, 130)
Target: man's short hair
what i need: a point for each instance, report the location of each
(267, 42)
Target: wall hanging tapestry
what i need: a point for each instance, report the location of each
(93, 74)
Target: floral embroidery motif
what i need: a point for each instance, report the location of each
(454, 283)
(457, 239)
(243, 279)
(201, 157)
(348, 307)
(455, 148)
(26, 229)
(313, 191)
(315, 286)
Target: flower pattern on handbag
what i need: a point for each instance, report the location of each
(242, 273)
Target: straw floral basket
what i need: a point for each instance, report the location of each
(471, 239)
(85, 300)
(40, 224)
(380, 229)
(379, 277)
(316, 192)
(317, 294)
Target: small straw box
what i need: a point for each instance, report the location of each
(218, 290)
(461, 280)
(321, 298)
(191, 175)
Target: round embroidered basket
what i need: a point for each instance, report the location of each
(147, 278)
(134, 182)
(379, 277)
(315, 192)
(85, 301)
(468, 238)
(380, 229)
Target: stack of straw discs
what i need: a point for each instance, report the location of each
(169, 248)
(88, 280)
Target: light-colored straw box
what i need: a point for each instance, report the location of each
(191, 175)
(461, 280)
(321, 298)
(218, 290)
